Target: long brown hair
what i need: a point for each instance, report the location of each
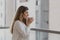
(20, 11)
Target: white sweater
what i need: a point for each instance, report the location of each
(20, 31)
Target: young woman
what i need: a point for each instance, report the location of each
(21, 24)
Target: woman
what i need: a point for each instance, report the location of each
(20, 24)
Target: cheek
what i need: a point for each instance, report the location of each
(24, 16)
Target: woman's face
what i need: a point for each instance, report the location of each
(25, 15)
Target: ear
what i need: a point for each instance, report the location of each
(21, 15)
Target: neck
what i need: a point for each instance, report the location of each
(21, 19)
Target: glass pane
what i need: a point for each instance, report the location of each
(42, 14)
(43, 36)
(2, 13)
(42, 18)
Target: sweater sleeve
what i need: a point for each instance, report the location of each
(21, 29)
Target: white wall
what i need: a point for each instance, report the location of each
(54, 18)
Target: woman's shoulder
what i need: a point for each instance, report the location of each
(17, 22)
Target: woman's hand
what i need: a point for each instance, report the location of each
(29, 21)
